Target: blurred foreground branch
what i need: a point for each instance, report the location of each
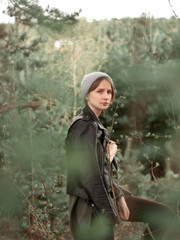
(7, 107)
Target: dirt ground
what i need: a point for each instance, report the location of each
(10, 230)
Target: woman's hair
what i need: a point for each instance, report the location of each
(96, 84)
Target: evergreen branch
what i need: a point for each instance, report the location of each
(30, 13)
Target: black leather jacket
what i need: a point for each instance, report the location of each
(88, 173)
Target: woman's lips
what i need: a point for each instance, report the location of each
(105, 103)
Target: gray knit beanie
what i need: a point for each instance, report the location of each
(89, 79)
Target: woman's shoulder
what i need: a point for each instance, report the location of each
(83, 121)
(81, 124)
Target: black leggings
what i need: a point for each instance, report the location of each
(158, 216)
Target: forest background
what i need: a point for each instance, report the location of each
(43, 57)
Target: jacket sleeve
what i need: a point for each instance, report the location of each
(85, 167)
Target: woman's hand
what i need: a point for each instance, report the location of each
(111, 149)
(123, 209)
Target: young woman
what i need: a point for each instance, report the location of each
(90, 156)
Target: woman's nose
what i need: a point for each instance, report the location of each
(106, 96)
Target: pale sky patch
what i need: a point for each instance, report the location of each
(107, 9)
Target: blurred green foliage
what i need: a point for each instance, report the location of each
(99, 230)
(43, 58)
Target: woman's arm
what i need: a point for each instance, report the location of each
(121, 203)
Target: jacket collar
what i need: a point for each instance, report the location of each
(88, 112)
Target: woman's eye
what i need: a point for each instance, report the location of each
(109, 92)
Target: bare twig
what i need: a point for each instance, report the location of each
(45, 189)
(74, 61)
(50, 108)
(127, 153)
(172, 106)
(113, 119)
(155, 179)
(135, 128)
(173, 10)
(150, 233)
(5, 95)
(43, 227)
(177, 209)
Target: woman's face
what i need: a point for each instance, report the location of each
(100, 98)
